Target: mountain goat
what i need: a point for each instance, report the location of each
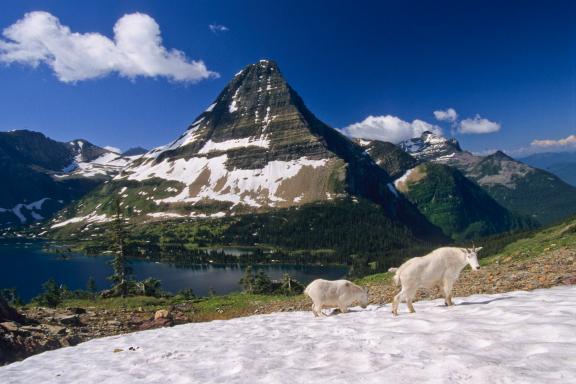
(340, 294)
(440, 268)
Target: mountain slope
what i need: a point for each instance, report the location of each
(255, 149)
(461, 208)
(457, 205)
(393, 159)
(523, 190)
(40, 175)
(561, 164)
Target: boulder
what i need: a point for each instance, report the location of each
(73, 320)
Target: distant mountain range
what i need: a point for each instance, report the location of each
(562, 164)
(41, 176)
(257, 155)
(520, 188)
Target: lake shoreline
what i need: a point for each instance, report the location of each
(74, 269)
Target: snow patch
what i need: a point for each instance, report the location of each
(402, 179)
(212, 146)
(91, 218)
(233, 107)
(502, 338)
(165, 214)
(233, 185)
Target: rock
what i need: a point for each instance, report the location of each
(32, 328)
(7, 313)
(76, 310)
(163, 314)
(73, 320)
(70, 341)
(114, 323)
(156, 323)
(55, 329)
(10, 326)
(568, 280)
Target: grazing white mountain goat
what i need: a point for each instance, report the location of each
(335, 294)
(440, 268)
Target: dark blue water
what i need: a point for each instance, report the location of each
(26, 267)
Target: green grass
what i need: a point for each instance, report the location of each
(378, 278)
(562, 235)
(205, 308)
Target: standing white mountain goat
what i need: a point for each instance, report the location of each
(335, 294)
(440, 268)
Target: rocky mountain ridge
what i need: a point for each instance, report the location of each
(41, 175)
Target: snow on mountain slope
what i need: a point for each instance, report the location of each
(255, 149)
(516, 337)
(94, 162)
(430, 146)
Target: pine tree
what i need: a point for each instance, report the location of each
(247, 281)
(122, 270)
(91, 286)
(51, 294)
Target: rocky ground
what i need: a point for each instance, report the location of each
(42, 329)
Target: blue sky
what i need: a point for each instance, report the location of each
(513, 63)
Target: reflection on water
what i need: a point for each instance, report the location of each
(27, 267)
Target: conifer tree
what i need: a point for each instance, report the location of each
(120, 265)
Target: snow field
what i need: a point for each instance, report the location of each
(517, 337)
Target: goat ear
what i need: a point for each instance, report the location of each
(478, 249)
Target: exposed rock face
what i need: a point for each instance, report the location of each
(430, 146)
(392, 158)
(256, 148)
(513, 184)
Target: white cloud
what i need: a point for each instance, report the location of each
(217, 28)
(449, 115)
(389, 128)
(478, 125)
(569, 141)
(136, 50)
(113, 149)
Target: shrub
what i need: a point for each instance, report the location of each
(51, 295)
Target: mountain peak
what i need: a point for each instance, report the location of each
(256, 147)
(430, 146)
(499, 155)
(135, 151)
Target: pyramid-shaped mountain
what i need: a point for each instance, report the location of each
(255, 149)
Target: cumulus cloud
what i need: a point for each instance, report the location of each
(136, 50)
(569, 141)
(113, 149)
(449, 115)
(478, 125)
(217, 28)
(389, 128)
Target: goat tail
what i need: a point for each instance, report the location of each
(396, 277)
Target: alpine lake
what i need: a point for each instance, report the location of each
(25, 266)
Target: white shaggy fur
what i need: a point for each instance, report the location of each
(440, 268)
(335, 294)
